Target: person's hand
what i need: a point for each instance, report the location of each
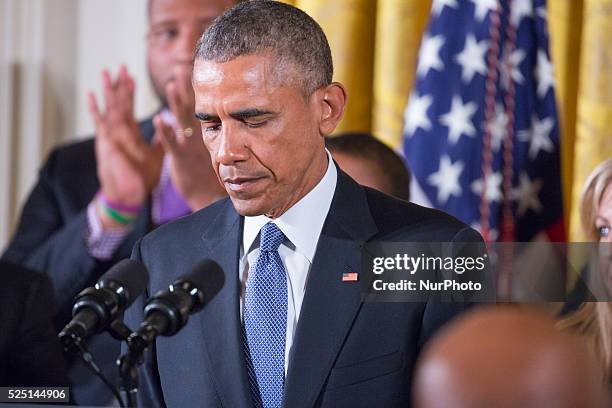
(128, 168)
(190, 167)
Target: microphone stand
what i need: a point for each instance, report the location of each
(129, 362)
(128, 372)
(75, 346)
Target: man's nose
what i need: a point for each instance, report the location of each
(231, 148)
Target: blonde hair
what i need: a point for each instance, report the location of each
(593, 320)
(591, 196)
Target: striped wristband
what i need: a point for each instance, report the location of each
(129, 209)
(123, 214)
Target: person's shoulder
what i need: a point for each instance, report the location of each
(12, 272)
(70, 170)
(194, 224)
(18, 281)
(73, 149)
(405, 220)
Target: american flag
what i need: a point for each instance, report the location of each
(350, 277)
(481, 133)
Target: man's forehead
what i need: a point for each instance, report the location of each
(255, 70)
(239, 87)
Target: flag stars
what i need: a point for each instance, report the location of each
(438, 5)
(446, 179)
(492, 190)
(498, 127)
(527, 193)
(542, 13)
(429, 55)
(446, 113)
(416, 114)
(459, 119)
(510, 69)
(482, 8)
(472, 58)
(544, 74)
(520, 9)
(538, 136)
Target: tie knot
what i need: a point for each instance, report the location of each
(271, 237)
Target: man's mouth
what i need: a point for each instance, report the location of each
(241, 184)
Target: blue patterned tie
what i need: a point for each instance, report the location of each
(265, 321)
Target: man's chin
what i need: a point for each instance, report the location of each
(249, 207)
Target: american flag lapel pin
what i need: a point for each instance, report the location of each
(350, 277)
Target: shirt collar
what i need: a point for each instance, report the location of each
(303, 222)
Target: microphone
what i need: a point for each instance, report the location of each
(168, 311)
(95, 308)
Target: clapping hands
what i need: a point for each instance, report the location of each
(190, 167)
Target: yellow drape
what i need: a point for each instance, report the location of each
(349, 26)
(565, 19)
(399, 28)
(581, 31)
(374, 46)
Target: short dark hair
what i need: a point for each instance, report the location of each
(260, 26)
(368, 147)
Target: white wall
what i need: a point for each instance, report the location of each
(111, 33)
(51, 54)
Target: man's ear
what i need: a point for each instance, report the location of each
(333, 102)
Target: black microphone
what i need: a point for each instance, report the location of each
(168, 311)
(95, 308)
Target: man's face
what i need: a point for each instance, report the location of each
(174, 28)
(264, 137)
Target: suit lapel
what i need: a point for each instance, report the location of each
(329, 305)
(220, 319)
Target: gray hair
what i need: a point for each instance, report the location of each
(260, 26)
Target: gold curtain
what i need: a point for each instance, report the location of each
(580, 42)
(374, 46)
(399, 28)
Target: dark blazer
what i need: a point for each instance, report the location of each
(30, 353)
(345, 352)
(50, 238)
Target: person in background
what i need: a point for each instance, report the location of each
(30, 352)
(94, 199)
(371, 163)
(585, 315)
(507, 357)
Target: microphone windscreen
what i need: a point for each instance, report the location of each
(130, 274)
(207, 276)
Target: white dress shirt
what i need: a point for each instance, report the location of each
(302, 225)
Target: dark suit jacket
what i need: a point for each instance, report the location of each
(50, 238)
(345, 352)
(30, 353)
